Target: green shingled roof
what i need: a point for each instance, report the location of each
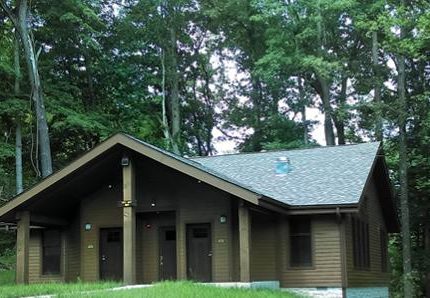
(320, 176)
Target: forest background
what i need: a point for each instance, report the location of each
(187, 75)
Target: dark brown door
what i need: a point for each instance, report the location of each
(111, 251)
(167, 253)
(199, 252)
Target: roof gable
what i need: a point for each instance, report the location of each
(174, 161)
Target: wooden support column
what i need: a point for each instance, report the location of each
(244, 242)
(129, 221)
(22, 247)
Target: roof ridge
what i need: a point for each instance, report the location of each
(282, 150)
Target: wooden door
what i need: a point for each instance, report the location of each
(199, 252)
(167, 253)
(111, 254)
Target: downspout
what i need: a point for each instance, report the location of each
(342, 242)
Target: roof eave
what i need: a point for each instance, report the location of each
(280, 207)
(140, 147)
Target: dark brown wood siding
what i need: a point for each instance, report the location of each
(326, 268)
(264, 231)
(148, 237)
(101, 210)
(371, 213)
(35, 259)
(73, 251)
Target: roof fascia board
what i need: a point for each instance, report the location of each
(50, 180)
(190, 170)
(140, 148)
(379, 156)
(279, 207)
(333, 210)
(369, 177)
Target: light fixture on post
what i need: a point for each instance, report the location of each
(222, 219)
(125, 161)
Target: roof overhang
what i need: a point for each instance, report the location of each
(280, 207)
(159, 155)
(379, 172)
(188, 167)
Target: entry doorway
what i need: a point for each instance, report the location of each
(111, 254)
(167, 240)
(199, 252)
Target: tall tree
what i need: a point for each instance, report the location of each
(18, 130)
(21, 22)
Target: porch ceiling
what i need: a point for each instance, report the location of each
(103, 170)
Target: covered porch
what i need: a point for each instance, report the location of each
(131, 218)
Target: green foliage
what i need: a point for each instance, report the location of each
(248, 68)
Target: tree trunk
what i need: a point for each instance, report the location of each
(324, 85)
(328, 124)
(37, 94)
(164, 121)
(427, 249)
(403, 176)
(18, 134)
(18, 158)
(91, 100)
(303, 107)
(175, 116)
(338, 118)
(376, 87)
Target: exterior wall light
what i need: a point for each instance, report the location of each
(125, 161)
(222, 219)
(87, 227)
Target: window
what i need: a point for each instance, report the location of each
(51, 252)
(360, 238)
(384, 246)
(300, 243)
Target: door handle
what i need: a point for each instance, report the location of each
(104, 258)
(210, 254)
(161, 260)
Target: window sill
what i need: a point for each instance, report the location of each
(51, 275)
(362, 268)
(301, 267)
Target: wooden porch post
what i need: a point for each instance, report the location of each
(22, 247)
(244, 242)
(129, 221)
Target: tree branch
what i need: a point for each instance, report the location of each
(9, 13)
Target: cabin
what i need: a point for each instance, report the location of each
(311, 220)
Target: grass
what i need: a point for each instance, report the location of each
(164, 289)
(7, 267)
(191, 290)
(60, 289)
(7, 277)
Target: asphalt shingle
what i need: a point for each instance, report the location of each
(320, 176)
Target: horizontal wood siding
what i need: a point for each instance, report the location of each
(161, 189)
(101, 210)
(73, 251)
(326, 269)
(263, 247)
(149, 243)
(35, 260)
(371, 213)
(203, 204)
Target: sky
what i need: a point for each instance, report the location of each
(313, 114)
(234, 76)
